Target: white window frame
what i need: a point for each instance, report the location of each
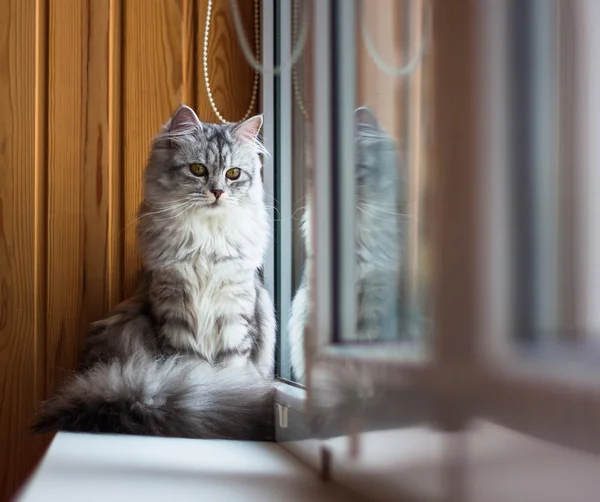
(380, 362)
(472, 371)
(552, 386)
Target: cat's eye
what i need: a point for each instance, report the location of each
(198, 169)
(233, 173)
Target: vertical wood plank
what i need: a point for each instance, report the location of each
(114, 278)
(152, 87)
(96, 162)
(41, 194)
(20, 359)
(77, 178)
(191, 62)
(65, 239)
(230, 75)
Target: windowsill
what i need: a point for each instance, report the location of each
(498, 465)
(290, 396)
(95, 467)
(407, 461)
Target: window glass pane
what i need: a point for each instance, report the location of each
(542, 151)
(294, 103)
(532, 94)
(540, 157)
(389, 142)
(391, 145)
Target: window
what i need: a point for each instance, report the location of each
(381, 121)
(351, 129)
(541, 272)
(490, 108)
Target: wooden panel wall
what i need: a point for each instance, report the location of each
(84, 86)
(22, 378)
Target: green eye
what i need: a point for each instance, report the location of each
(198, 169)
(233, 173)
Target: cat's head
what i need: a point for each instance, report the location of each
(205, 166)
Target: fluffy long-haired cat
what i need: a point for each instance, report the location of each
(378, 240)
(191, 354)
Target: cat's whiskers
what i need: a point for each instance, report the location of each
(378, 203)
(189, 206)
(380, 209)
(168, 208)
(274, 208)
(279, 218)
(394, 216)
(170, 204)
(294, 213)
(164, 210)
(379, 206)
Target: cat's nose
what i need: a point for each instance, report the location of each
(217, 193)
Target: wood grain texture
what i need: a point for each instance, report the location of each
(114, 254)
(65, 186)
(96, 161)
(77, 180)
(152, 91)
(21, 383)
(84, 87)
(189, 52)
(228, 69)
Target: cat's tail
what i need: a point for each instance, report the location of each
(172, 397)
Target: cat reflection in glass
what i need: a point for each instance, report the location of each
(378, 241)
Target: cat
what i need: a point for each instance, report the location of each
(378, 241)
(191, 353)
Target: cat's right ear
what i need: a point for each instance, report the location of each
(184, 119)
(364, 116)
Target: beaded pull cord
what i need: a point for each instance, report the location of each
(205, 61)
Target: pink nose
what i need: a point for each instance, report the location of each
(217, 193)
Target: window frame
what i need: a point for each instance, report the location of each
(471, 372)
(327, 357)
(549, 382)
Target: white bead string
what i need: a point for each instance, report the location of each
(205, 61)
(295, 85)
(254, 61)
(401, 71)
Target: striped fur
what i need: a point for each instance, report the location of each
(192, 352)
(175, 396)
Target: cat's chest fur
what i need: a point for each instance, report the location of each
(228, 250)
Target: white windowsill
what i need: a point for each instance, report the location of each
(421, 464)
(94, 467)
(501, 465)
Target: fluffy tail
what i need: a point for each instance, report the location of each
(174, 397)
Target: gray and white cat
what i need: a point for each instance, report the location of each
(191, 354)
(378, 241)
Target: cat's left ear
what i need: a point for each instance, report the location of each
(184, 118)
(249, 129)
